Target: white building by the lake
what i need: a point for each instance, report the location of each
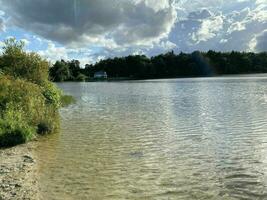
(101, 74)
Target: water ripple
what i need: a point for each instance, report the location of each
(178, 139)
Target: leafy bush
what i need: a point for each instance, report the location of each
(13, 133)
(29, 102)
(81, 77)
(22, 100)
(19, 96)
(52, 94)
(20, 64)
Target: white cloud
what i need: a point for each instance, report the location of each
(260, 13)
(209, 28)
(10, 37)
(236, 26)
(53, 53)
(40, 40)
(252, 44)
(157, 5)
(86, 60)
(224, 25)
(167, 45)
(26, 42)
(223, 41)
(259, 42)
(2, 13)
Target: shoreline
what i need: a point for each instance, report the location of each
(122, 79)
(18, 173)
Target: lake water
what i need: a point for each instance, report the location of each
(203, 138)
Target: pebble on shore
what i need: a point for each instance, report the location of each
(18, 173)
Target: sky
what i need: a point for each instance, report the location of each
(91, 30)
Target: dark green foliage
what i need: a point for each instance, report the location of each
(52, 94)
(60, 71)
(74, 67)
(29, 102)
(67, 71)
(171, 65)
(44, 128)
(23, 103)
(19, 64)
(21, 99)
(13, 133)
(81, 77)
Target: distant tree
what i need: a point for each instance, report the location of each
(74, 68)
(60, 71)
(171, 65)
(81, 77)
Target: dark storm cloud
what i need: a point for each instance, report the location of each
(79, 21)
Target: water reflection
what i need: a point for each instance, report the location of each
(167, 139)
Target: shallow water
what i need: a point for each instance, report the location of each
(200, 138)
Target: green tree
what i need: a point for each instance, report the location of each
(60, 71)
(20, 64)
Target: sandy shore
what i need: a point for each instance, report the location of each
(18, 173)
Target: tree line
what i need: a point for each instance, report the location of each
(168, 65)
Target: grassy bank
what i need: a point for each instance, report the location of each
(29, 102)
